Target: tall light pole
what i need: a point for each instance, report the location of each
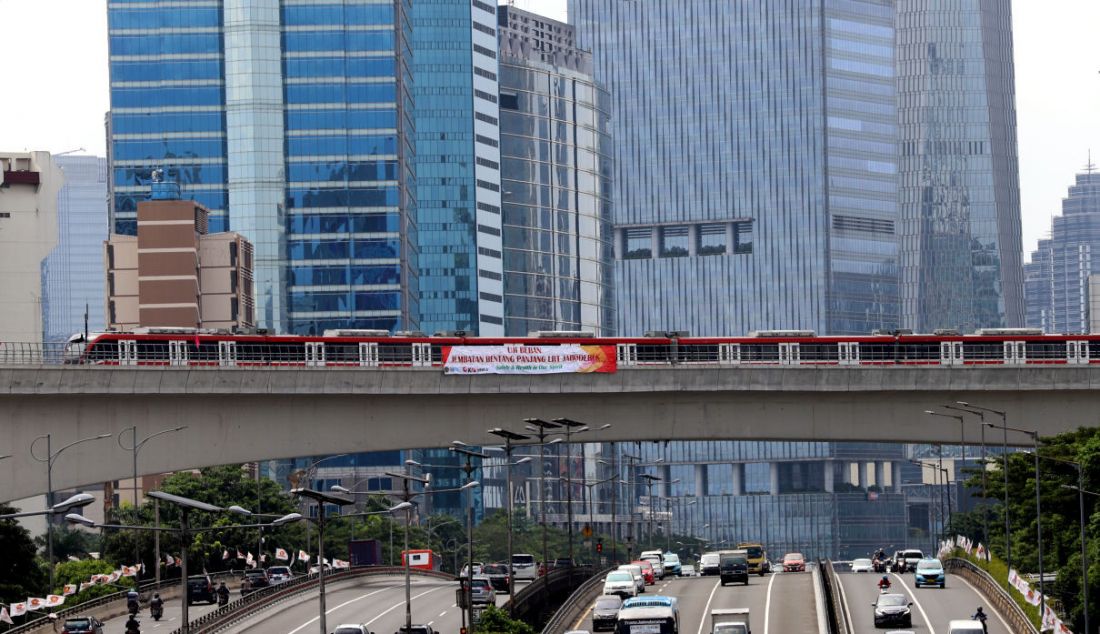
(650, 480)
(509, 438)
(937, 472)
(962, 446)
(571, 427)
(1004, 455)
(468, 469)
(985, 490)
(539, 427)
(1080, 488)
(1038, 505)
(49, 459)
(406, 481)
(321, 498)
(134, 449)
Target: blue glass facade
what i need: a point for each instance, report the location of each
(779, 120)
(291, 122)
(960, 195)
(72, 275)
(458, 165)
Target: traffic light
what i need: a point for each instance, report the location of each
(599, 546)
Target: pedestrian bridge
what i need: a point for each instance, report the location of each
(246, 414)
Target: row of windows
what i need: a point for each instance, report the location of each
(165, 44)
(339, 67)
(339, 171)
(167, 70)
(341, 93)
(163, 18)
(676, 241)
(373, 197)
(356, 275)
(329, 145)
(320, 15)
(155, 150)
(306, 302)
(160, 122)
(351, 41)
(186, 175)
(343, 223)
(343, 249)
(167, 96)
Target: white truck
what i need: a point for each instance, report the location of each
(730, 621)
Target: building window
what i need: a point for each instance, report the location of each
(509, 101)
(481, 94)
(639, 243)
(742, 232)
(674, 242)
(712, 240)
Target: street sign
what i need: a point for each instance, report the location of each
(586, 531)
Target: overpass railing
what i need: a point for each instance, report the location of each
(248, 605)
(574, 607)
(99, 603)
(994, 592)
(536, 603)
(838, 619)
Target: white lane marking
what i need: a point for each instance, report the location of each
(430, 623)
(995, 613)
(402, 602)
(847, 606)
(706, 608)
(916, 601)
(442, 613)
(330, 611)
(768, 604)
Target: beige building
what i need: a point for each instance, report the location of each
(175, 274)
(29, 183)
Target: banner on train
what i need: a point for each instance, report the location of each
(528, 359)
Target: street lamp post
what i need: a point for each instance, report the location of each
(1004, 455)
(937, 472)
(985, 490)
(539, 427)
(321, 498)
(49, 459)
(1038, 505)
(509, 438)
(406, 480)
(571, 427)
(134, 449)
(1080, 488)
(650, 480)
(468, 469)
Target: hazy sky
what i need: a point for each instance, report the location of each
(55, 79)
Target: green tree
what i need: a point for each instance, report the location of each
(70, 542)
(77, 572)
(21, 575)
(496, 621)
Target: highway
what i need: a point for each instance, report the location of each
(167, 623)
(932, 608)
(779, 603)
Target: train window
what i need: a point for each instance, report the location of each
(152, 351)
(760, 352)
(819, 352)
(983, 351)
(1045, 351)
(395, 354)
(653, 353)
(707, 353)
(342, 353)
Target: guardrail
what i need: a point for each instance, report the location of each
(994, 592)
(837, 616)
(537, 602)
(248, 605)
(105, 600)
(576, 604)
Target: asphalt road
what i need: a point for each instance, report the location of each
(379, 603)
(779, 603)
(167, 623)
(932, 608)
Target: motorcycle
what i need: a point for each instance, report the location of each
(132, 626)
(156, 611)
(133, 606)
(223, 599)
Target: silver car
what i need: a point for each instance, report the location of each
(481, 591)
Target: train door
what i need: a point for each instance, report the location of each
(315, 354)
(729, 354)
(127, 352)
(1015, 353)
(951, 352)
(789, 354)
(227, 353)
(177, 353)
(422, 354)
(848, 353)
(368, 354)
(626, 354)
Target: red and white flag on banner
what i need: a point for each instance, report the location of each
(4, 616)
(1049, 617)
(114, 576)
(85, 585)
(34, 603)
(54, 600)
(69, 589)
(303, 556)
(18, 609)
(281, 554)
(129, 571)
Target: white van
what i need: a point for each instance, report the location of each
(655, 557)
(636, 571)
(965, 627)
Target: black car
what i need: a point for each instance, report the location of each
(605, 612)
(893, 609)
(498, 576)
(733, 568)
(200, 588)
(82, 625)
(254, 580)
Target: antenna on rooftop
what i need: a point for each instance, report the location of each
(1090, 167)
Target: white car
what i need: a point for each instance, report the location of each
(351, 628)
(687, 570)
(965, 627)
(621, 583)
(639, 577)
(654, 557)
(524, 567)
(862, 565)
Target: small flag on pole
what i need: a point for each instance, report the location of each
(69, 589)
(54, 600)
(18, 609)
(281, 554)
(5, 617)
(303, 556)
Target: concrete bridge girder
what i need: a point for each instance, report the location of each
(242, 415)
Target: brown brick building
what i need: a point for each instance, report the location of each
(173, 273)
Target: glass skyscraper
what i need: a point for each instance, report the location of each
(1058, 273)
(72, 275)
(458, 165)
(960, 195)
(291, 122)
(755, 178)
(556, 163)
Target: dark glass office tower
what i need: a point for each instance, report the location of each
(960, 195)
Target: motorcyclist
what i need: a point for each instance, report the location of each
(981, 616)
(884, 583)
(132, 625)
(223, 594)
(156, 606)
(132, 603)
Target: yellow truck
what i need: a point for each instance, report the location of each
(757, 557)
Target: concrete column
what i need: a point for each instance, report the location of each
(830, 474)
(861, 475)
(895, 476)
(773, 469)
(846, 472)
(700, 480)
(738, 478)
(880, 474)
